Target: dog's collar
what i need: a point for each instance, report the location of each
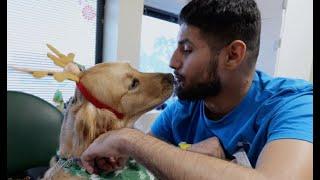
(70, 166)
(84, 91)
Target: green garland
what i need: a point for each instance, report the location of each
(132, 171)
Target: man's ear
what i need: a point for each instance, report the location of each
(234, 54)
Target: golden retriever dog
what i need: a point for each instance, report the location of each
(108, 96)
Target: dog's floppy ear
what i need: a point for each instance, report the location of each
(71, 70)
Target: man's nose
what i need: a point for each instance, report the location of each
(175, 61)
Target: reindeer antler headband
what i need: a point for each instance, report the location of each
(71, 71)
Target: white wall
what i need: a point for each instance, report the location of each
(311, 73)
(296, 50)
(271, 21)
(122, 31)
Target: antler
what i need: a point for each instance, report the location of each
(62, 60)
(70, 71)
(58, 76)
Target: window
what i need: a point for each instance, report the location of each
(158, 40)
(70, 26)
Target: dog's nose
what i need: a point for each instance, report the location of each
(168, 78)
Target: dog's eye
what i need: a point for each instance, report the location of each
(134, 84)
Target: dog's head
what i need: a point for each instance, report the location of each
(125, 89)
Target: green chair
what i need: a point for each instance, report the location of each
(33, 127)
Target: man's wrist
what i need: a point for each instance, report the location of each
(129, 138)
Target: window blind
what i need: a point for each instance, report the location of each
(70, 26)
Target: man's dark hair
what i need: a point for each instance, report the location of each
(223, 21)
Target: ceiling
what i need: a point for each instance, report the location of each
(267, 8)
(173, 6)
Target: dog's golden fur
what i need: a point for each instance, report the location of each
(113, 84)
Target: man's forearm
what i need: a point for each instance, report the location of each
(169, 162)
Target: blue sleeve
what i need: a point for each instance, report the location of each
(293, 120)
(162, 125)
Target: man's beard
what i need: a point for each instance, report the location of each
(199, 91)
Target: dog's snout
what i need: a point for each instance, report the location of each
(168, 78)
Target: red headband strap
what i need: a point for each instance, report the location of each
(95, 101)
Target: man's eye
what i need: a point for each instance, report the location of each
(134, 84)
(187, 50)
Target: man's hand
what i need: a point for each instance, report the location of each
(105, 153)
(109, 164)
(210, 147)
